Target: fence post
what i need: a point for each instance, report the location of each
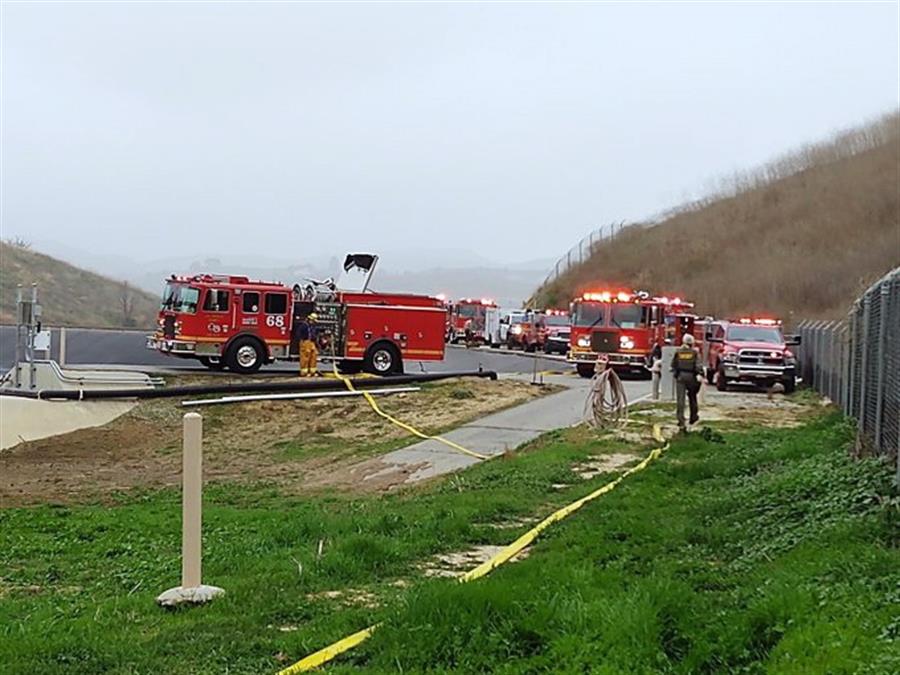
(881, 351)
(191, 591)
(863, 375)
(62, 346)
(851, 366)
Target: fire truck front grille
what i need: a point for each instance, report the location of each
(169, 327)
(760, 357)
(604, 341)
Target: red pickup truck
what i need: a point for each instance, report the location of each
(750, 350)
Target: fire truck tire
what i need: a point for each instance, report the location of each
(585, 369)
(790, 384)
(212, 364)
(383, 358)
(245, 355)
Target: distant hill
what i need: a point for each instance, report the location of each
(71, 296)
(800, 238)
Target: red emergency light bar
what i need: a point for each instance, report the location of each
(666, 300)
(477, 301)
(556, 312)
(759, 322)
(608, 296)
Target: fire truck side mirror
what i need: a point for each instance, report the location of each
(792, 340)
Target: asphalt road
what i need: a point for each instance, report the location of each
(88, 346)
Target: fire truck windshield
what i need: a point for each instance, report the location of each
(180, 298)
(471, 311)
(754, 334)
(556, 320)
(626, 316)
(589, 313)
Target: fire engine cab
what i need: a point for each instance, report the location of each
(235, 322)
(482, 315)
(622, 327)
(750, 350)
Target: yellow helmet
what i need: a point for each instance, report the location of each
(313, 317)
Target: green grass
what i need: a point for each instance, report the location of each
(768, 552)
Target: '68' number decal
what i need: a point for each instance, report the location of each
(275, 320)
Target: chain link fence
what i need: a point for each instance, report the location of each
(583, 250)
(856, 363)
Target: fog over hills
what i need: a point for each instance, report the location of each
(456, 272)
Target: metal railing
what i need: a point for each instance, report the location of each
(856, 363)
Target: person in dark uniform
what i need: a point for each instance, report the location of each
(688, 373)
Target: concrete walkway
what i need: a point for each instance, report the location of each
(494, 434)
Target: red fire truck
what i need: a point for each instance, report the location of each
(235, 322)
(624, 326)
(474, 310)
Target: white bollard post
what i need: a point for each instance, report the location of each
(192, 590)
(192, 490)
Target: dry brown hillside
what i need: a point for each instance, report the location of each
(71, 296)
(800, 238)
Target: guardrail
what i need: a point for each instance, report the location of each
(856, 363)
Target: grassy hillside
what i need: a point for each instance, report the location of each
(71, 296)
(801, 237)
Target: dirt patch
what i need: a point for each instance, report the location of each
(460, 562)
(298, 445)
(754, 409)
(350, 597)
(600, 464)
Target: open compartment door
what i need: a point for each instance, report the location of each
(357, 272)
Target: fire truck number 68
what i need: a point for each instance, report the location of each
(275, 320)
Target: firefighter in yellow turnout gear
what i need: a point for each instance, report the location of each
(688, 374)
(309, 353)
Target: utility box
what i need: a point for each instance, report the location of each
(42, 341)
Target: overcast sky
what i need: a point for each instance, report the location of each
(163, 129)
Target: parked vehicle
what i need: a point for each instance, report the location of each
(232, 321)
(622, 327)
(555, 332)
(482, 315)
(750, 350)
(525, 334)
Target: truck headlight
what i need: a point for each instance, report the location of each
(626, 342)
(516, 330)
(790, 361)
(584, 341)
(730, 357)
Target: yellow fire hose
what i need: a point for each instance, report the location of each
(325, 655)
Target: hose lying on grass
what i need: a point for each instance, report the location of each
(607, 404)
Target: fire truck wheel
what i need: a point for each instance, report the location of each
(790, 385)
(383, 358)
(245, 356)
(585, 369)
